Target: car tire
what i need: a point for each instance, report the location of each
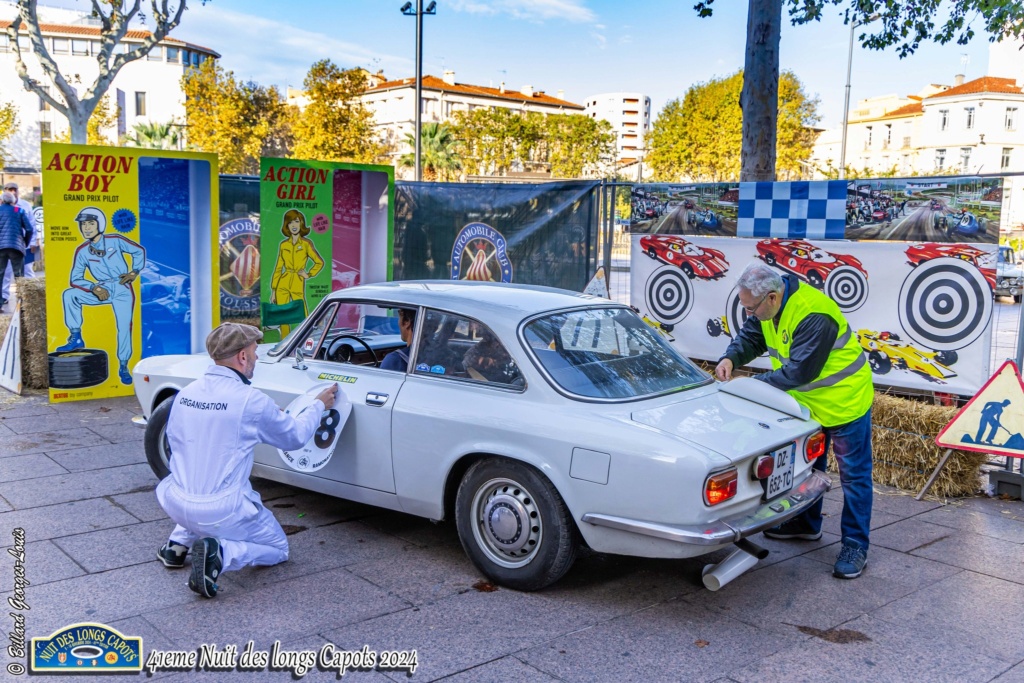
(769, 259)
(1016, 298)
(509, 493)
(982, 226)
(652, 253)
(946, 358)
(78, 368)
(879, 362)
(687, 270)
(814, 280)
(158, 450)
(715, 327)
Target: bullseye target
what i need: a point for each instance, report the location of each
(848, 287)
(945, 303)
(669, 295)
(734, 312)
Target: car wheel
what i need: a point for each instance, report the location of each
(514, 525)
(158, 450)
(815, 280)
(687, 270)
(879, 362)
(982, 226)
(78, 368)
(946, 358)
(1016, 298)
(715, 327)
(769, 259)
(652, 253)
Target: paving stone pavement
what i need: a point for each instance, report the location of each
(939, 601)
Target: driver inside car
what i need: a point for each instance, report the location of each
(487, 360)
(399, 358)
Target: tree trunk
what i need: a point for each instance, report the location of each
(759, 99)
(79, 123)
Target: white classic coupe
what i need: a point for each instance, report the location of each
(537, 418)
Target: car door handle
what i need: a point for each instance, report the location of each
(375, 399)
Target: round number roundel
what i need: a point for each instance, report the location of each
(848, 287)
(669, 295)
(945, 304)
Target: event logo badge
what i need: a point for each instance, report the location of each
(240, 266)
(479, 253)
(88, 647)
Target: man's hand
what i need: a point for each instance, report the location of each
(101, 292)
(328, 396)
(723, 371)
(128, 277)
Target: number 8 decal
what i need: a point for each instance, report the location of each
(328, 426)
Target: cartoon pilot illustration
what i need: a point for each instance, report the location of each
(104, 257)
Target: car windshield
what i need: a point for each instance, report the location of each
(608, 353)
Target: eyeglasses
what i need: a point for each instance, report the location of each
(750, 309)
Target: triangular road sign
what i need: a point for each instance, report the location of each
(992, 421)
(598, 285)
(10, 353)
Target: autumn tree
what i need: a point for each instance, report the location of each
(336, 125)
(578, 145)
(439, 156)
(8, 127)
(240, 122)
(115, 17)
(101, 125)
(904, 24)
(699, 138)
(493, 141)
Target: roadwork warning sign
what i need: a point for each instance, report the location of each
(992, 421)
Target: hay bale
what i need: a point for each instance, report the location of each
(5, 322)
(34, 363)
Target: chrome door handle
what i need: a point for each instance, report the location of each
(375, 399)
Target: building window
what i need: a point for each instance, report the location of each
(868, 137)
(45, 133)
(173, 55)
(195, 59)
(156, 54)
(940, 160)
(121, 49)
(80, 47)
(965, 158)
(1004, 163)
(1011, 118)
(969, 117)
(905, 160)
(43, 104)
(60, 46)
(943, 119)
(140, 104)
(888, 136)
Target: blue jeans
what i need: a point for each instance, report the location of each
(852, 444)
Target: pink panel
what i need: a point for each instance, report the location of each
(348, 234)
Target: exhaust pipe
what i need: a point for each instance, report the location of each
(740, 560)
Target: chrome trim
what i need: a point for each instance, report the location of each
(727, 530)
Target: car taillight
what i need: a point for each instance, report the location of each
(764, 466)
(720, 487)
(815, 447)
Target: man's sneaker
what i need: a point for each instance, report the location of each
(172, 555)
(75, 342)
(126, 377)
(206, 566)
(793, 530)
(851, 561)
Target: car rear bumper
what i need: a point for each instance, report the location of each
(730, 529)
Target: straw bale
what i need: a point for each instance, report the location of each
(34, 363)
(5, 322)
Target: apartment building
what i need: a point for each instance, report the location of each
(629, 114)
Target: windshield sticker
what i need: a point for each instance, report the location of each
(422, 367)
(344, 379)
(437, 369)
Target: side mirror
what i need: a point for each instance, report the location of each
(299, 358)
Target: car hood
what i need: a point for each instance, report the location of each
(725, 423)
(1007, 270)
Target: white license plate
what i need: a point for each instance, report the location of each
(781, 480)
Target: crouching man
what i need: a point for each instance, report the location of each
(214, 425)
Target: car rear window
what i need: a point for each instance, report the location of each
(608, 353)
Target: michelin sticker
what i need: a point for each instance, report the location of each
(318, 451)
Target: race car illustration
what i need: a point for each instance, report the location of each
(886, 351)
(925, 251)
(694, 261)
(664, 329)
(718, 326)
(808, 262)
(935, 205)
(704, 220)
(965, 224)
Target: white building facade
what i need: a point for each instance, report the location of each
(145, 91)
(629, 114)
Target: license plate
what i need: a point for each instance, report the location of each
(781, 480)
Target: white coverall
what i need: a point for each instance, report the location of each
(214, 425)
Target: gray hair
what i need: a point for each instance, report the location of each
(758, 278)
(8, 198)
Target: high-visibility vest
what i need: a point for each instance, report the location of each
(842, 392)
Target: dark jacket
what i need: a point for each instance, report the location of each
(15, 228)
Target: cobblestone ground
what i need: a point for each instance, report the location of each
(939, 601)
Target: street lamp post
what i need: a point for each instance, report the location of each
(846, 104)
(418, 12)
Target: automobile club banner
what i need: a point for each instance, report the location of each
(129, 239)
(921, 310)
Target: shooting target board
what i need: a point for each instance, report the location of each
(922, 312)
(318, 450)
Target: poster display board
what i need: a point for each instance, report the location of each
(324, 226)
(129, 237)
(922, 311)
(239, 237)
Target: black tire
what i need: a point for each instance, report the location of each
(946, 358)
(652, 253)
(687, 270)
(982, 226)
(879, 362)
(77, 369)
(715, 327)
(509, 493)
(895, 337)
(1016, 298)
(769, 259)
(814, 280)
(158, 451)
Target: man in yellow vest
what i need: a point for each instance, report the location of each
(817, 359)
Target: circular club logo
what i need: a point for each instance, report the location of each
(479, 253)
(240, 266)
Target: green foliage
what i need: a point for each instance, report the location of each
(575, 144)
(439, 156)
(8, 127)
(335, 125)
(700, 138)
(154, 135)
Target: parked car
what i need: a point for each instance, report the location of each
(810, 263)
(1009, 278)
(925, 251)
(886, 351)
(590, 429)
(696, 262)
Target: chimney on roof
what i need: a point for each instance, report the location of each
(958, 79)
(449, 77)
(561, 94)
(527, 90)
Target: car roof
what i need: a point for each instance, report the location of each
(468, 297)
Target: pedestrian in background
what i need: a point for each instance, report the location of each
(15, 233)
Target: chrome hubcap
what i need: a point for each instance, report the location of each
(507, 524)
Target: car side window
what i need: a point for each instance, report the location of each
(456, 346)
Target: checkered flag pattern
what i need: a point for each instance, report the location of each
(798, 210)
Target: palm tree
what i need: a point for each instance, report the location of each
(437, 151)
(154, 136)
